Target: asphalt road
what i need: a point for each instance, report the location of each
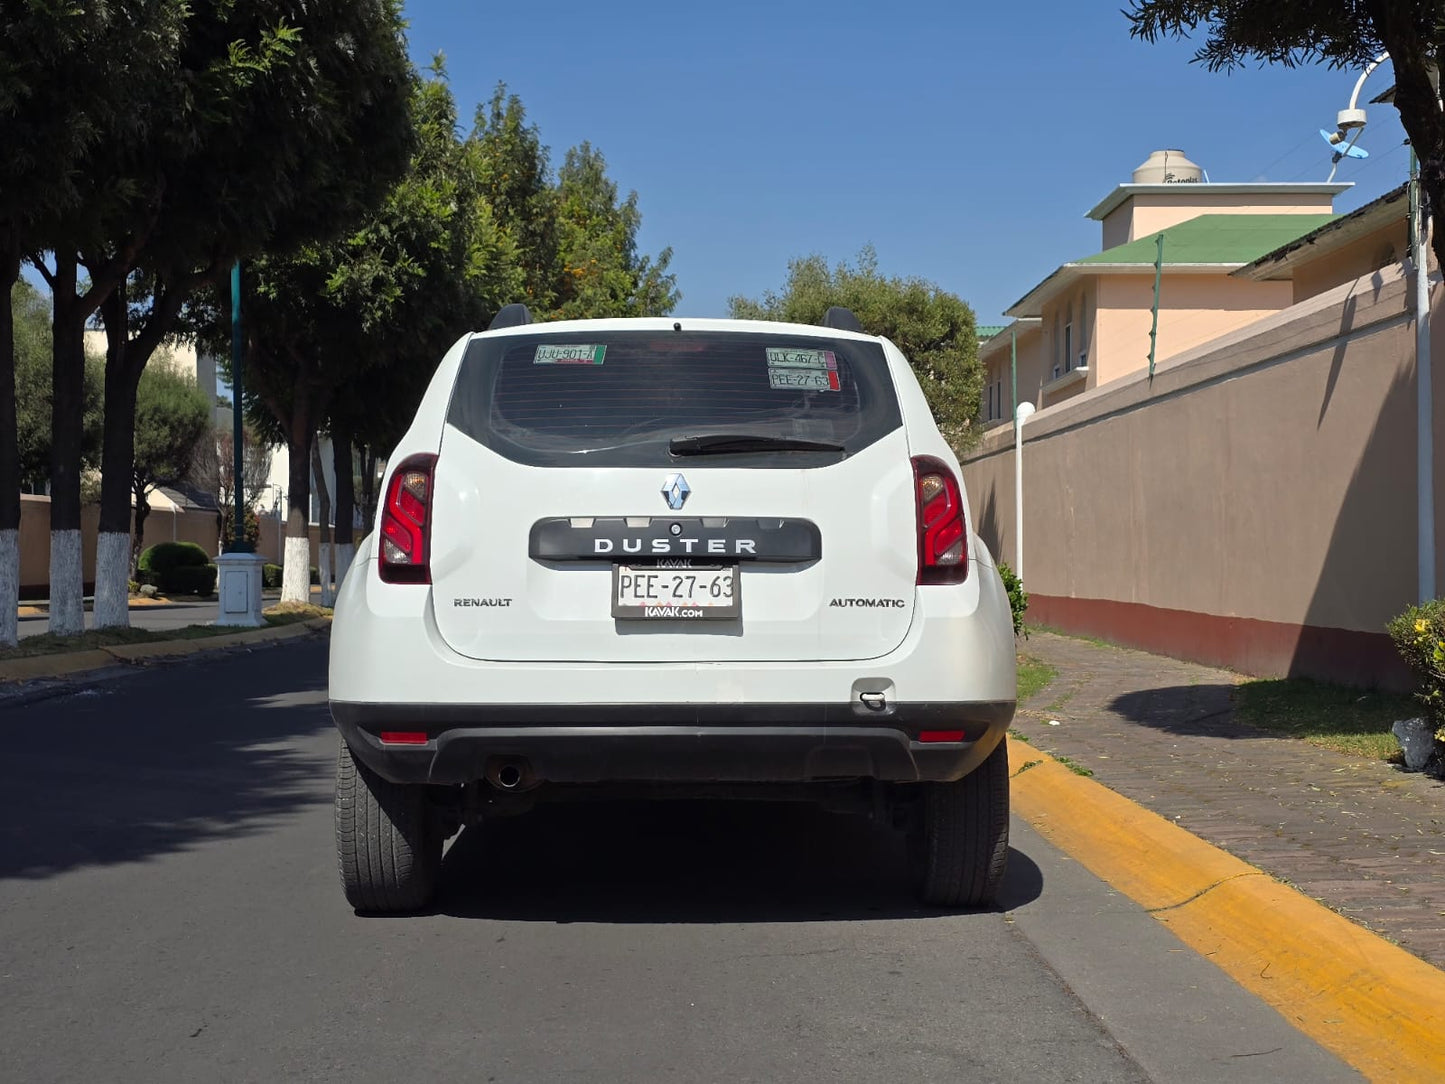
(169, 911)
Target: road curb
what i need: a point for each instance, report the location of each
(1373, 1004)
(71, 664)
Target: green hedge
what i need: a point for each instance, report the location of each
(1018, 598)
(189, 580)
(164, 556)
(1419, 634)
(271, 576)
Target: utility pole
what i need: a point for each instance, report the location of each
(239, 568)
(238, 542)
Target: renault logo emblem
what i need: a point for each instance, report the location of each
(675, 491)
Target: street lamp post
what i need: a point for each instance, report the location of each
(1424, 395)
(238, 567)
(1021, 415)
(238, 543)
(1350, 122)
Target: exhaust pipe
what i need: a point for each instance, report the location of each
(510, 774)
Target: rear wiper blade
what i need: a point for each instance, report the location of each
(725, 443)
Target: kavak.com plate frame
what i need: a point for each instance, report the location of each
(669, 606)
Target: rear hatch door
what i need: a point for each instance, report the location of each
(673, 496)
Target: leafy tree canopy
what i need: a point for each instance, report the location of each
(576, 242)
(602, 272)
(934, 329)
(411, 276)
(357, 326)
(98, 59)
(31, 312)
(172, 421)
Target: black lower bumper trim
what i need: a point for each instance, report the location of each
(676, 743)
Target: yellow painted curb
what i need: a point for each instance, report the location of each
(32, 611)
(48, 666)
(160, 648)
(137, 652)
(1373, 1004)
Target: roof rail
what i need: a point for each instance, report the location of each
(842, 319)
(513, 315)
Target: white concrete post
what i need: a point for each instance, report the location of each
(239, 589)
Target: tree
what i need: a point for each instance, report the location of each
(1295, 32)
(516, 181)
(602, 273)
(67, 77)
(346, 336)
(214, 471)
(340, 333)
(933, 328)
(32, 381)
(274, 124)
(575, 243)
(172, 420)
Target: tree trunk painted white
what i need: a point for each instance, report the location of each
(296, 573)
(67, 602)
(328, 594)
(345, 554)
(323, 545)
(9, 588)
(112, 580)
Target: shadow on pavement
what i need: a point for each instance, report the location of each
(162, 761)
(688, 862)
(1206, 710)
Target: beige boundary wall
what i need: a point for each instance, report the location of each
(161, 526)
(1253, 506)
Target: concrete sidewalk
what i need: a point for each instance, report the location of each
(1360, 836)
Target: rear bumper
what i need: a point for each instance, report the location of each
(685, 743)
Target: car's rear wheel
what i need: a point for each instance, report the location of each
(963, 844)
(388, 840)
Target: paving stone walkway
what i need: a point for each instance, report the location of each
(1361, 836)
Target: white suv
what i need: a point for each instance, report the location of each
(671, 558)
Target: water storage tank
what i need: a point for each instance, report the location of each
(1167, 167)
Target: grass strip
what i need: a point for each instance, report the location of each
(92, 639)
(1352, 721)
(1034, 675)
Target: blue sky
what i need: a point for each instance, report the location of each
(964, 141)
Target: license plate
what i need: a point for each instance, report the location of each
(676, 591)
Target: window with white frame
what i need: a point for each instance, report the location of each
(1069, 340)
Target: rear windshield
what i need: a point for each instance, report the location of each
(624, 398)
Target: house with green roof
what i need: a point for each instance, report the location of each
(1089, 321)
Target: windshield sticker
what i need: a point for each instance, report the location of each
(810, 370)
(550, 354)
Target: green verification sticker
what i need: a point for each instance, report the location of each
(550, 354)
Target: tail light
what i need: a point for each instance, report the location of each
(942, 533)
(406, 522)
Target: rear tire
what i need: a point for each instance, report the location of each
(388, 840)
(964, 844)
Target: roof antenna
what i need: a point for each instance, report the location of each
(1349, 123)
